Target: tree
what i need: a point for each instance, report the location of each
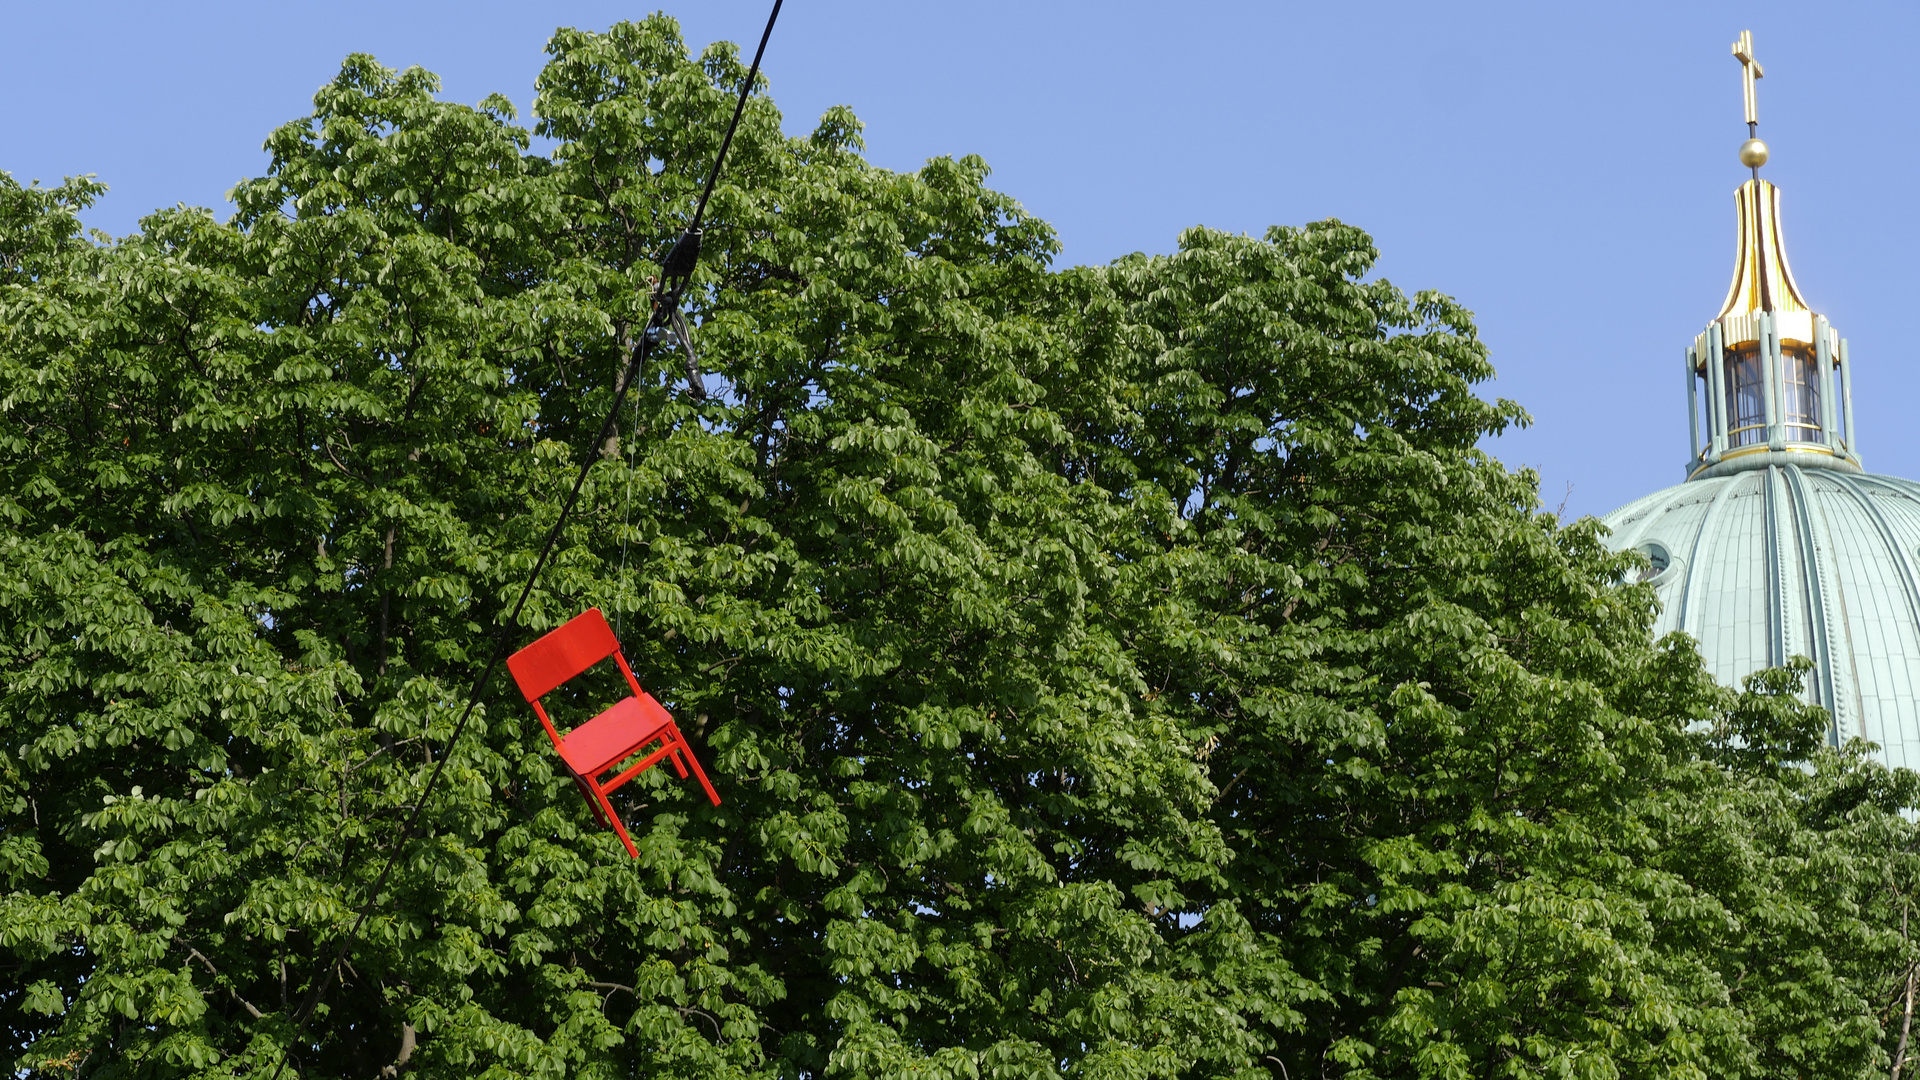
(1497, 830)
(1117, 671)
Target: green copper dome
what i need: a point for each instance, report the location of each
(1779, 561)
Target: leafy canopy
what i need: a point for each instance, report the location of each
(1115, 671)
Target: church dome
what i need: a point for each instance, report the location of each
(1779, 544)
(1769, 563)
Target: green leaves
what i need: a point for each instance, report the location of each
(1120, 671)
(1448, 761)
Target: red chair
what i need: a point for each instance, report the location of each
(600, 744)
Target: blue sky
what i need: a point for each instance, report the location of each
(1566, 172)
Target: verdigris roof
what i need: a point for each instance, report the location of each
(1778, 561)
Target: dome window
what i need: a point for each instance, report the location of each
(1660, 561)
(1746, 398)
(1803, 395)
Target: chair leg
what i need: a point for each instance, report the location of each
(678, 766)
(618, 825)
(593, 800)
(712, 795)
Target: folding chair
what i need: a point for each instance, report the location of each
(602, 743)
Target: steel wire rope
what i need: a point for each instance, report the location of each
(675, 275)
(626, 520)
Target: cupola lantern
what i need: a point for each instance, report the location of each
(1768, 375)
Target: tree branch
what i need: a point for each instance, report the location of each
(407, 1042)
(215, 972)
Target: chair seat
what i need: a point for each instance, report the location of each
(613, 735)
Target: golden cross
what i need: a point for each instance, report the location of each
(1749, 71)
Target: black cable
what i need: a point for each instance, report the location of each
(753, 72)
(676, 271)
(680, 261)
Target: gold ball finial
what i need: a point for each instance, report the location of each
(1753, 153)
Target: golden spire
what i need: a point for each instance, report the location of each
(1762, 281)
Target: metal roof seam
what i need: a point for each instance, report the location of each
(1693, 553)
(1776, 571)
(1885, 528)
(1815, 590)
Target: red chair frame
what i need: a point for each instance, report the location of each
(601, 744)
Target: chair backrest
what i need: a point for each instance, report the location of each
(563, 652)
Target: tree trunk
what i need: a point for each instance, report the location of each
(1906, 1021)
(386, 599)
